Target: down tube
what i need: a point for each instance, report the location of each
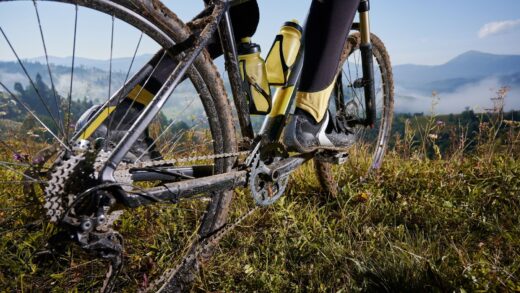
(282, 103)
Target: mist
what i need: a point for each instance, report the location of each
(476, 96)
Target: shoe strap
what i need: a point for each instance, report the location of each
(340, 124)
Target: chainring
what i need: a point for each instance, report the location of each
(264, 190)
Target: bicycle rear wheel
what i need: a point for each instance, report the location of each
(43, 95)
(350, 98)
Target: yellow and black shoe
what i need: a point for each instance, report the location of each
(304, 134)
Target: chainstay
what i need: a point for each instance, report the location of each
(200, 246)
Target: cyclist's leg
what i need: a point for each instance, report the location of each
(326, 31)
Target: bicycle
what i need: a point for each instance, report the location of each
(88, 174)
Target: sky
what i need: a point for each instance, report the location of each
(418, 32)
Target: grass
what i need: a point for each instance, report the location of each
(450, 223)
(425, 226)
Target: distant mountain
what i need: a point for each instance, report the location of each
(92, 83)
(468, 68)
(118, 64)
(89, 82)
(467, 80)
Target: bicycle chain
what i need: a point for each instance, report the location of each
(57, 186)
(161, 163)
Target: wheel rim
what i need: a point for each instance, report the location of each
(367, 155)
(374, 138)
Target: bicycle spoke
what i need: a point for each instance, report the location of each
(30, 79)
(173, 149)
(15, 164)
(21, 182)
(353, 91)
(69, 98)
(356, 62)
(171, 142)
(110, 70)
(184, 149)
(126, 78)
(53, 87)
(139, 92)
(17, 155)
(34, 115)
(18, 172)
(164, 131)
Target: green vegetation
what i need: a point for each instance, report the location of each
(433, 219)
(11, 111)
(442, 223)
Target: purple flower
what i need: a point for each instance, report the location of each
(20, 158)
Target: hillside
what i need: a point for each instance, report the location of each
(467, 68)
(89, 82)
(120, 65)
(468, 80)
(92, 83)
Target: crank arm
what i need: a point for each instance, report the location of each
(285, 167)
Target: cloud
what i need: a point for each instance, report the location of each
(498, 27)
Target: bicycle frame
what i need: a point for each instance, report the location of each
(153, 100)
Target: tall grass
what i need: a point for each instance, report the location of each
(423, 223)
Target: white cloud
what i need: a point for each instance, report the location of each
(497, 27)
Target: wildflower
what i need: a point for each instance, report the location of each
(20, 157)
(363, 197)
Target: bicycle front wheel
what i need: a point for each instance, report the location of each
(349, 98)
(58, 59)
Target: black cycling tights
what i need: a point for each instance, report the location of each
(326, 31)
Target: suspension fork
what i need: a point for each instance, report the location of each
(367, 63)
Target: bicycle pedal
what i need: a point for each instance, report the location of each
(337, 158)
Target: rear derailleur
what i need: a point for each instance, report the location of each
(84, 209)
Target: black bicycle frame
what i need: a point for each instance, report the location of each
(271, 129)
(195, 47)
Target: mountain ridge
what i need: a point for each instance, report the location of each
(472, 65)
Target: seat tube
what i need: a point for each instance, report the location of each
(368, 64)
(227, 38)
(283, 100)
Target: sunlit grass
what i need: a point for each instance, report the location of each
(419, 224)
